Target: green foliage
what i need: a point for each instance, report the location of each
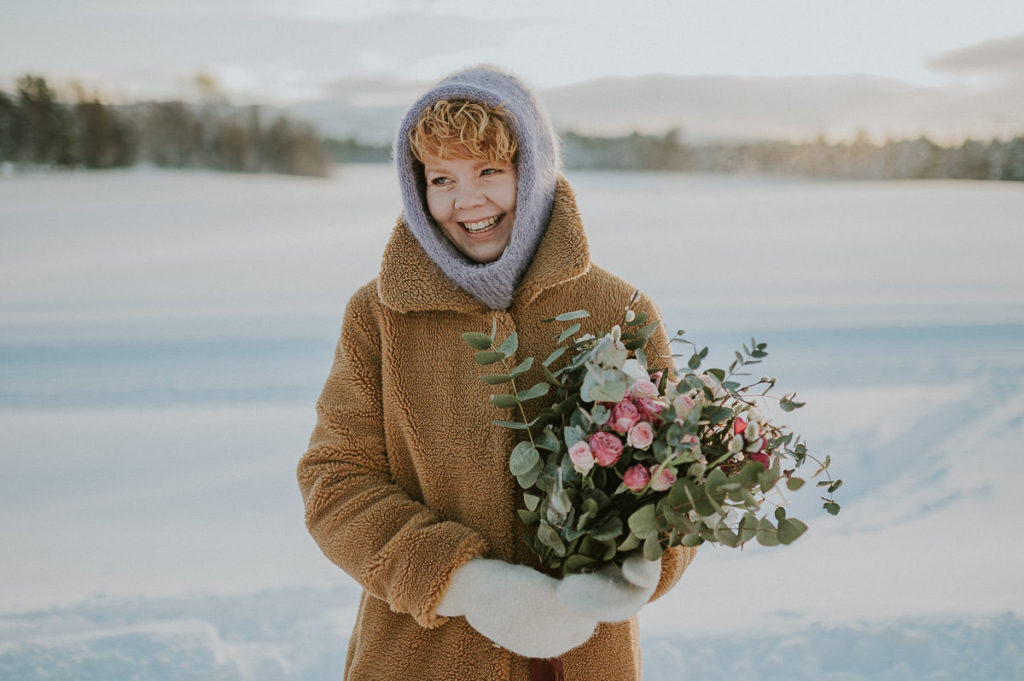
(723, 493)
(478, 341)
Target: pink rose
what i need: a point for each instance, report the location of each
(656, 377)
(581, 456)
(643, 389)
(641, 435)
(636, 477)
(624, 416)
(649, 409)
(663, 481)
(606, 447)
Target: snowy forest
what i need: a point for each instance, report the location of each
(38, 130)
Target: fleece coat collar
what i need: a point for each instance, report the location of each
(410, 281)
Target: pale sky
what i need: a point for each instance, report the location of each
(287, 50)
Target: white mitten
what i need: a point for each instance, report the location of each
(612, 594)
(516, 607)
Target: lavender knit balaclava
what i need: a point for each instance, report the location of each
(538, 168)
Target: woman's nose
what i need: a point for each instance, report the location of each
(469, 195)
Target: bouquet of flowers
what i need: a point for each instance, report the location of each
(623, 459)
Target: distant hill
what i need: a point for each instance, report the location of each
(714, 108)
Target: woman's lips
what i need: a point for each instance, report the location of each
(481, 226)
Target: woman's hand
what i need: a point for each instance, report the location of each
(516, 607)
(612, 594)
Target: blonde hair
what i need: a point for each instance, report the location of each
(482, 131)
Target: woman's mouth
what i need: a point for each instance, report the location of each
(481, 226)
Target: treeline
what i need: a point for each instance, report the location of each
(860, 159)
(39, 131)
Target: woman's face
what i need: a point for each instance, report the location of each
(474, 204)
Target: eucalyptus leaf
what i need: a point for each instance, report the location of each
(509, 346)
(790, 529)
(523, 458)
(794, 483)
(561, 503)
(652, 547)
(692, 539)
(767, 535)
(496, 379)
(681, 521)
(649, 329)
(568, 332)
(641, 357)
(548, 536)
(522, 367)
(643, 521)
(554, 355)
(577, 563)
(477, 341)
(488, 357)
(529, 518)
(572, 435)
(750, 474)
(747, 529)
(547, 440)
(504, 401)
(715, 414)
(630, 543)
(538, 390)
(609, 529)
(514, 425)
(529, 479)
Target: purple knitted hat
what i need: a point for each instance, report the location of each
(538, 168)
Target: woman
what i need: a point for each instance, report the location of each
(406, 480)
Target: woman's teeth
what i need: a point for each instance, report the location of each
(482, 225)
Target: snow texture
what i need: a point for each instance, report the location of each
(163, 338)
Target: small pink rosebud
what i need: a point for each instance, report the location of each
(663, 481)
(581, 456)
(738, 426)
(641, 435)
(636, 477)
(606, 447)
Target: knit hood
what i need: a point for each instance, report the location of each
(538, 168)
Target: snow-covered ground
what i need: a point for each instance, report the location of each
(163, 337)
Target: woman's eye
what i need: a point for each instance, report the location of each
(490, 171)
(440, 181)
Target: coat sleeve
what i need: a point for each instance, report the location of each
(397, 548)
(675, 560)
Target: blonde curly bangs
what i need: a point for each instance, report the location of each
(454, 127)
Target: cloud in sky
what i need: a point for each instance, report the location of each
(285, 49)
(1001, 58)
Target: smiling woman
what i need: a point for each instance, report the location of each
(406, 479)
(473, 203)
(468, 155)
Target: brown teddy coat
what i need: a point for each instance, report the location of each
(406, 478)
